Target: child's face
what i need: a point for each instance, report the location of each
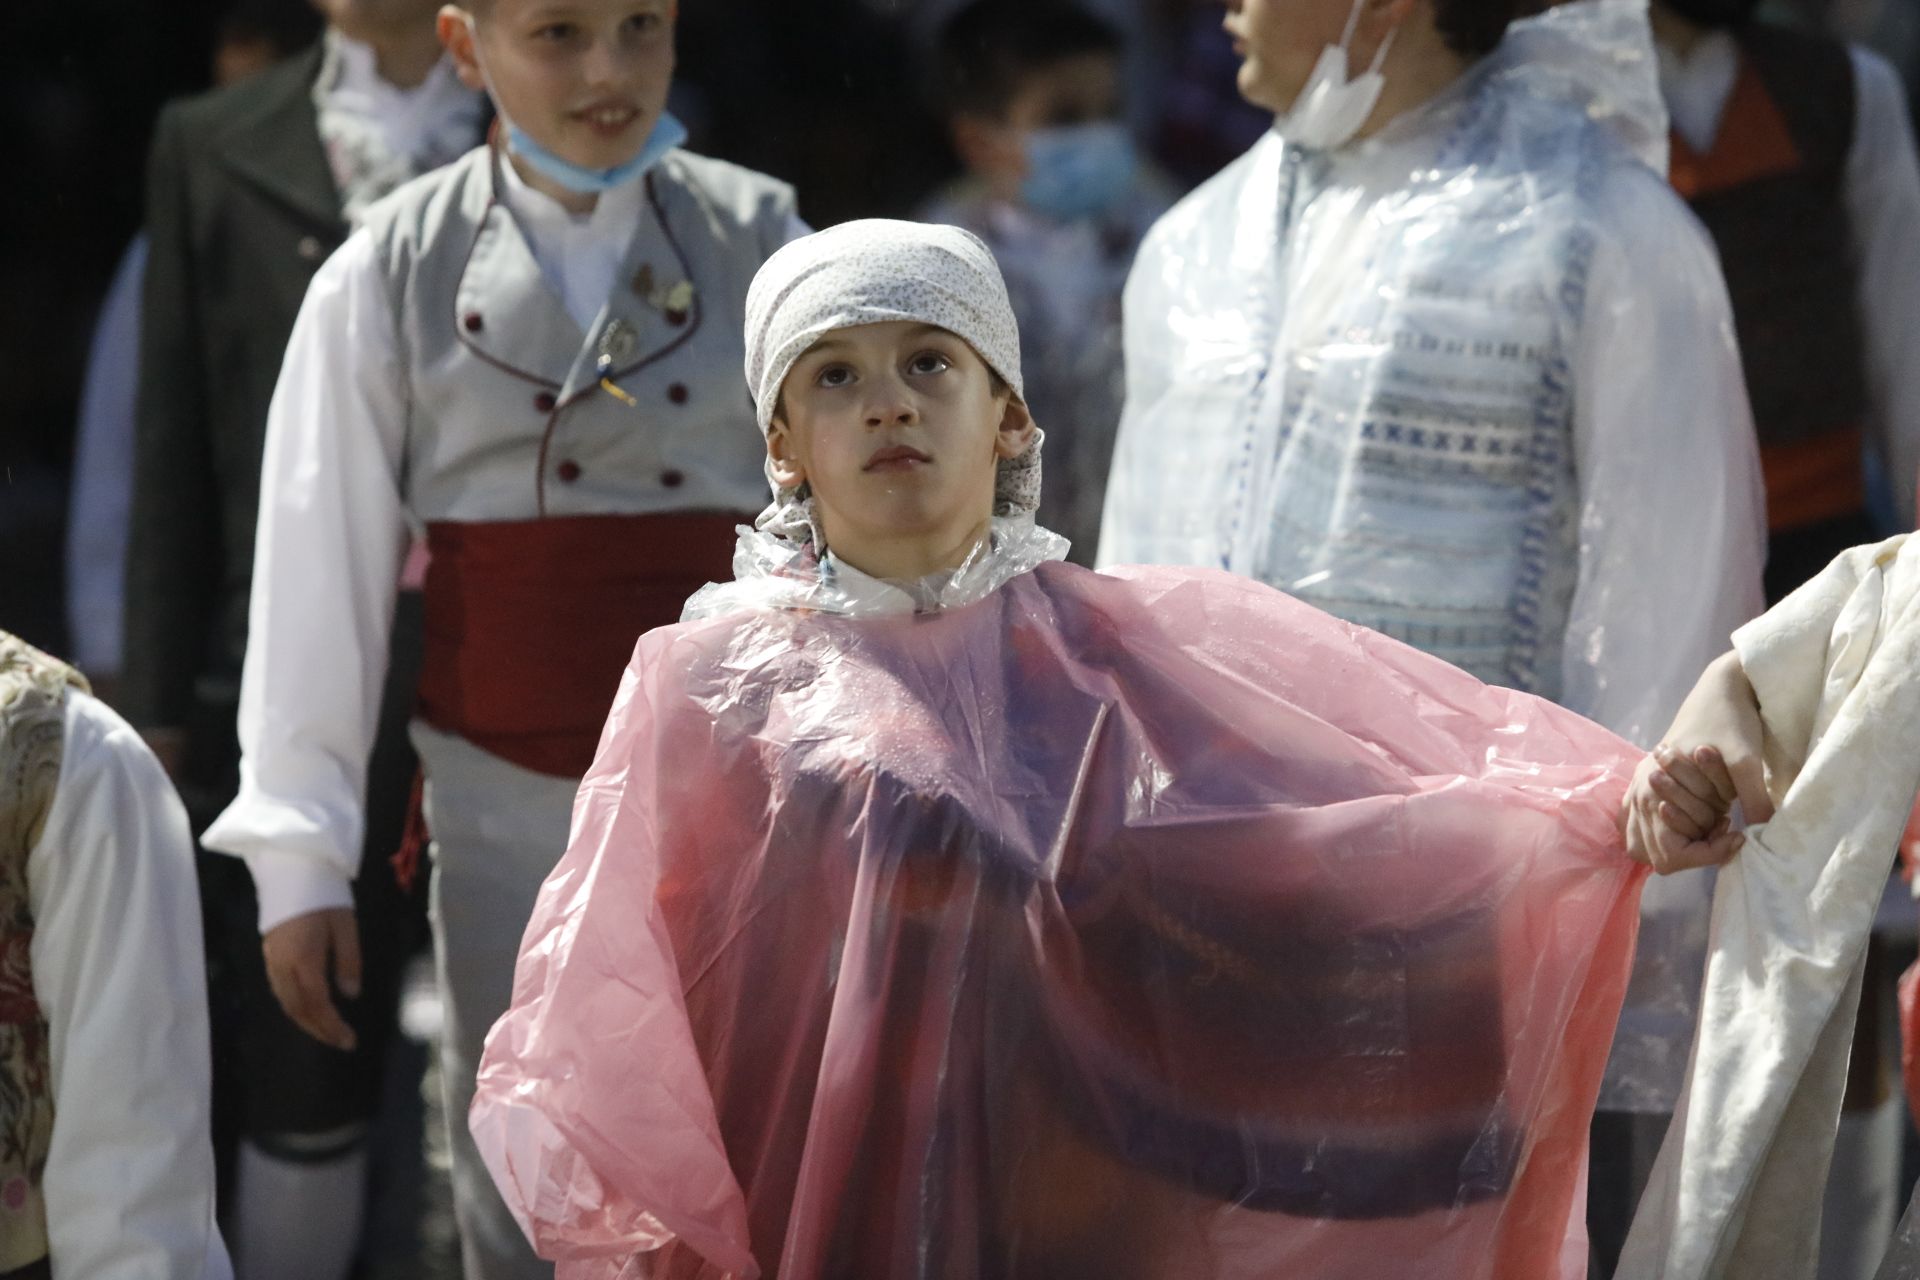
(1083, 89)
(899, 430)
(587, 79)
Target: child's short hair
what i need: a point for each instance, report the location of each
(285, 26)
(991, 46)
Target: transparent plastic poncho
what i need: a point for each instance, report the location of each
(1039, 922)
(1470, 383)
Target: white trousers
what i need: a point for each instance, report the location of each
(497, 830)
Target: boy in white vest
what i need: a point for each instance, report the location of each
(533, 354)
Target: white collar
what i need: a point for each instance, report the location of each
(1698, 86)
(869, 595)
(350, 82)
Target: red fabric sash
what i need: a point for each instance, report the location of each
(1813, 480)
(529, 623)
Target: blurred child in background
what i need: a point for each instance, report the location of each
(1054, 184)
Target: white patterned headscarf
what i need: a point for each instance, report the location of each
(871, 272)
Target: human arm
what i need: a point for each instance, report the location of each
(119, 974)
(1745, 729)
(1677, 810)
(103, 476)
(332, 535)
(1882, 192)
(1672, 517)
(173, 569)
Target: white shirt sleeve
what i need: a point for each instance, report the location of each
(1672, 514)
(1883, 206)
(331, 541)
(102, 501)
(119, 973)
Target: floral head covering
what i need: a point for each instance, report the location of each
(871, 272)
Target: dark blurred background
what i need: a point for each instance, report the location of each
(80, 84)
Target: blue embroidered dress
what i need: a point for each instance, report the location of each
(1423, 382)
(1470, 382)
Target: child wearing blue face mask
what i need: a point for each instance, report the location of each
(1053, 182)
(533, 355)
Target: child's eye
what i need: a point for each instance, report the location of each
(834, 375)
(645, 23)
(929, 362)
(556, 32)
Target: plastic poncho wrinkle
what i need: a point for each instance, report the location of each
(1141, 926)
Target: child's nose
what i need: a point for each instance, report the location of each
(605, 63)
(892, 411)
(891, 402)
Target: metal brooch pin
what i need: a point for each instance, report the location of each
(617, 343)
(672, 300)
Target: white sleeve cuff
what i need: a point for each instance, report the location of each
(289, 885)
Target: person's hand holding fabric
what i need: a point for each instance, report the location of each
(1678, 813)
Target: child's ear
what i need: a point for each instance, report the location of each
(1017, 430)
(454, 27)
(788, 471)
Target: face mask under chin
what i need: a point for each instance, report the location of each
(1331, 107)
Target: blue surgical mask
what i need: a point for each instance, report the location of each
(1078, 171)
(667, 134)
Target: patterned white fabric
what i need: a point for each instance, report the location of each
(378, 136)
(877, 271)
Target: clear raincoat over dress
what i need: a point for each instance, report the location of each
(1470, 382)
(1049, 923)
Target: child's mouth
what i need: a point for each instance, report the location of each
(609, 120)
(896, 458)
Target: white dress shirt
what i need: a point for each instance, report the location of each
(118, 972)
(102, 498)
(1882, 193)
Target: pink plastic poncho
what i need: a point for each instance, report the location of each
(1147, 925)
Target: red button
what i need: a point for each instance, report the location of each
(676, 317)
(473, 322)
(543, 401)
(568, 471)
(678, 393)
(673, 479)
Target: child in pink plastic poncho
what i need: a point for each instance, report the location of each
(934, 908)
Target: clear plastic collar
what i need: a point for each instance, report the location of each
(772, 572)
